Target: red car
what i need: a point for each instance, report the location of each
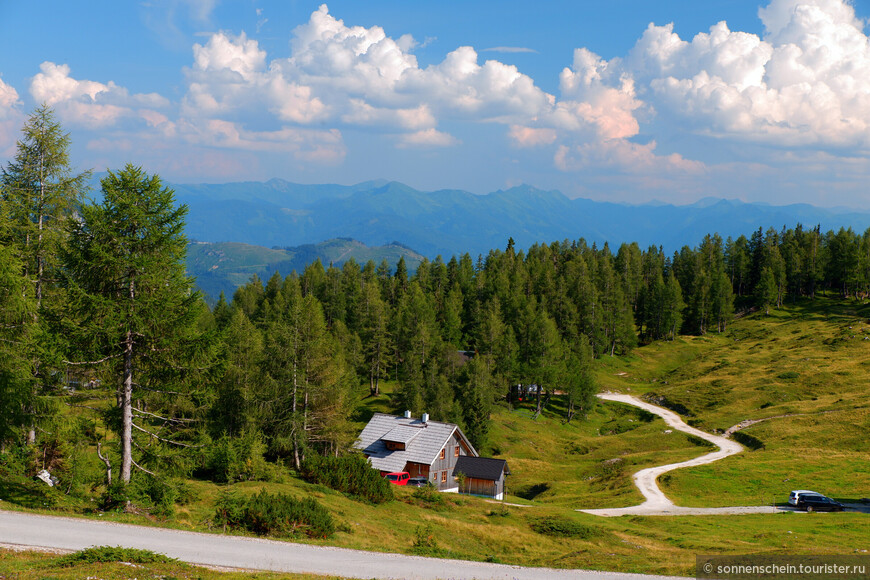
(398, 477)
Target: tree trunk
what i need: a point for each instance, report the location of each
(127, 411)
(127, 399)
(294, 425)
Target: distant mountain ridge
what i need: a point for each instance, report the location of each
(224, 266)
(452, 222)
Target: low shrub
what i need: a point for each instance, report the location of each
(609, 468)
(429, 496)
(424, 542)
(748, 440)
(108, 554)
(500, 512)
(350, 474)
(700, 441)
(788, 375)
(674, 406)
(530, 492)
(116, 497)
(232, 459)
(563, 527)
(280, 514)
(157, 493)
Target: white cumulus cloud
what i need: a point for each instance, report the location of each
(10, 118)
(88, 102)
(805, 82)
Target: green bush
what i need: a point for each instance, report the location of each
(748, 440)
(107, 554)
(115, 497)
(350, 474)
(266, 514)
(700, 441)
(563, 527)
(232, 459)
(155, 492)
(429, 496)
(424, 542)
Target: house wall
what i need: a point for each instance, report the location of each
(485, 487)
(440, 467)
(417, 469)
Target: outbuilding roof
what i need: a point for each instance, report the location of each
(423, 441)
(481, 467)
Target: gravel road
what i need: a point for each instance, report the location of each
(657, 503)
(255, 554)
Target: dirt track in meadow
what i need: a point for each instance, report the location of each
(657, 503)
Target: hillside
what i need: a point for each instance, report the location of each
(223, 267)
(807, 361)
(451, 222)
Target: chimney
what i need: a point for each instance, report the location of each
(425, 417)
(407, 414)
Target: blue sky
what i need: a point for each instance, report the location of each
(627, 100)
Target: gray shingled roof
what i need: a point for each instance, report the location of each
(402, 434)
(481, 467)
(423, 443)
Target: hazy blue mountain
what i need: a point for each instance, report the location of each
(448, 222)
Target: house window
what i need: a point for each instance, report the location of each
(434, 476)
(443, 476)
(456, 451)
(442, 454)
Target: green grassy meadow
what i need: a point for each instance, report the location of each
(804, 369)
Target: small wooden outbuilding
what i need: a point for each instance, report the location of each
(483, 475)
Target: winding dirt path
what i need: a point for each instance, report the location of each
(657, 503)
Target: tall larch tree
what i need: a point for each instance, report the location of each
(41, 191)
(132, 307)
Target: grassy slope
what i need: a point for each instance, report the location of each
(803, 369)
(722, 379)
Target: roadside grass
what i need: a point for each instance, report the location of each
(35, 565)
(800, 368)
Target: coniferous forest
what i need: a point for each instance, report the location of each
(106, 348)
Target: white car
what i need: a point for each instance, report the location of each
(793, 498)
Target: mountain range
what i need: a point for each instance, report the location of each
(277, 213)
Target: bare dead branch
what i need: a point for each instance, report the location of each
(167, 419)
(84, 407)
(106, 461)
(166, 440)
(92, 362)
(144, 388)
(142, 468)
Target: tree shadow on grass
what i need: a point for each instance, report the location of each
(25, 494)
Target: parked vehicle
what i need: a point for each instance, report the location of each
(795, 495)
(398, 477)
(819, 503)
(418, 482)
